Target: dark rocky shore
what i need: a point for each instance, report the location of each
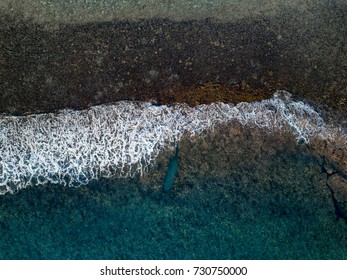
(51, 63)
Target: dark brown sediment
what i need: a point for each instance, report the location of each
(211, 92)
(82, 64)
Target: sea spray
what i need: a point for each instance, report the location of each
(123, 139)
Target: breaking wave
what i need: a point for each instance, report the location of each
(121, 140)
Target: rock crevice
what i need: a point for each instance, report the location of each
(336, 182)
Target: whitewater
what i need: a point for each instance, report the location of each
(73, 147)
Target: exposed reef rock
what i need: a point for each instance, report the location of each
(49, 63)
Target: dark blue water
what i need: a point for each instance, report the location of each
(243, 216)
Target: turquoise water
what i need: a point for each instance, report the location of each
(239, 217)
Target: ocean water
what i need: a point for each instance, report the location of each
(72, 185)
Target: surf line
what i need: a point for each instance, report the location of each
(123, 139)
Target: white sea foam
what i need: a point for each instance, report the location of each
(120, 140)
